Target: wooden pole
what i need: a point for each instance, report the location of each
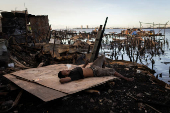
(26, 27)
(54, 44)
(98, 42)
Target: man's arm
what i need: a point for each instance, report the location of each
(65, 80)
(87, 61)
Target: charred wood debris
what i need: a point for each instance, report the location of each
(25, 43)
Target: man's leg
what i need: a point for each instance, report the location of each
(99, 72)
(123, 77)
(100, 61)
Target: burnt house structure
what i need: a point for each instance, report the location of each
(24, 28)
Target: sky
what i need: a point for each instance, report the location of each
(74, 13)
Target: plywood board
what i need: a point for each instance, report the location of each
(44, 93)
(48, 76)
(82, 84)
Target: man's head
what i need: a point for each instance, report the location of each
(64, 73)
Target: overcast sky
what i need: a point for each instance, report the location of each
(74, 13)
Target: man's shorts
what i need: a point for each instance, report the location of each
(99, 72)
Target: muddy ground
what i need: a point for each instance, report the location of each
(117, 96)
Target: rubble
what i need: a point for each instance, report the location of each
(28, 47)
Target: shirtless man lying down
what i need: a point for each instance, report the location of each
(97, 69)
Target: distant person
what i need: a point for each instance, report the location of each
(97, 69)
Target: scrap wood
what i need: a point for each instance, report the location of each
(93, 91)
(167, 86)
(132, 64)
(90, 43)
(14, 103)
(39, 45)
(55, 51)
(47, 76)
(9, 69)
(130, 95)
(129, 64)
(17, 47)
(21, 66)
(159, 82)
(64, 57)
(144, 69)
(15, 44)
(79, 43)
(12, 86)
(17, 63)
(141, 50)
(3, 93)
(154, 43)
(153, 108)
(111, 83)
(41, 64)
(26, 59)
(140, 38)
(75, 37)
(42, 92)
(153, 78)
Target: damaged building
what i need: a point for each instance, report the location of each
(25, 27)
(27, 37)
(19, 31)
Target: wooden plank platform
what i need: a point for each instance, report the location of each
(44, 93)
(45, 79)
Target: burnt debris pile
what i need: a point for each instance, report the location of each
(28, 41)
(141, 95)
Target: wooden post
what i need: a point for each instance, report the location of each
(115, 47)
(169, 71)
(133, 58)
(26, 27)
(164, 29)
(88, 51)
(98, 42)
(131, 47)
(153, 30)
(54, 44)
(153, 62)
(122, 56)
(48, 37)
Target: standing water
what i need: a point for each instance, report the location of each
(161, 61)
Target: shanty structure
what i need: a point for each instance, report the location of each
(44, 83)
(24, 27)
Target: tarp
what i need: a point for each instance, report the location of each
(134, 33)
